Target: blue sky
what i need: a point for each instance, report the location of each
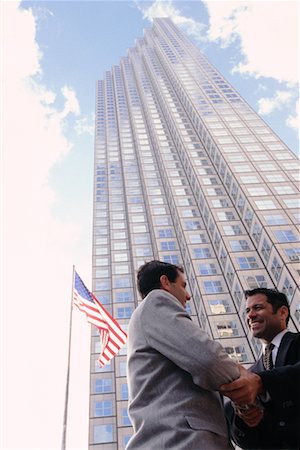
(53, 52)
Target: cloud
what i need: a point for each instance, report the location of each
(278, 101)
(267, 51)
(85, 125)
(38, 249)
(166, 8)
(293, 120)
(71, 104)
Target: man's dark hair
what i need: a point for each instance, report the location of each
(148, 276)
(274, 297)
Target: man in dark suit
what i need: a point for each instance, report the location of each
(274, 422)
(174, 369)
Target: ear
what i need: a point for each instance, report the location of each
(165, 283)
(284, 312)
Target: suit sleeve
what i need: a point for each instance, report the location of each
(282, 382)
(170, 330)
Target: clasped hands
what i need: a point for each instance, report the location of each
(243, 393)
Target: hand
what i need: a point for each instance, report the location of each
(252, 415)
(245, 389)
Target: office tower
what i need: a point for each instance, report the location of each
(185, 172)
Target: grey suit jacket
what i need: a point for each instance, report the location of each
(173, 371)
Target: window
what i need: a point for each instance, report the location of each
(123, 297)
(293, 253)
(284, 190)
(288, 289)
(240, 245)
(207, 269)
(227, 215)
(257, 191)
(276, 268)
(257, 281)
(103, 385)
(124, 391)
(266, 249)
(265, 204)
(169, 245)
(125, 418)
(202, 253)
(238, 353)
(171, 259)
(247, 262)
(232, 229)
(103, 408)
(212, 287)
(275, 219)
(292, 202)
(197, 238)
(103, 434)
(227, 328)
(219, 306)
(285, 236)
(165, 233)
(124, 312)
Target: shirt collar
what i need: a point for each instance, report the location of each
(277, 339)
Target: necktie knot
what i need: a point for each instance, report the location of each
(267, 357)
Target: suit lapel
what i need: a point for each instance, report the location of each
(283, 349)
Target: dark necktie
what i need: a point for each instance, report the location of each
(267, 357)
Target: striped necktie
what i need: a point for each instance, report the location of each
(267, 357)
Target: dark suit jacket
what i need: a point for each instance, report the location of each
(280, 427)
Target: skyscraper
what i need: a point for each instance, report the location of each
(185, 172)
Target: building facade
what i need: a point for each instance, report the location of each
(185, 172)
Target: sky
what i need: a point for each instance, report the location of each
(52, 54)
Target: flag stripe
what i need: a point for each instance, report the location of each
(112, 337)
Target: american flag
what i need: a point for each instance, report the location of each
(112, 337)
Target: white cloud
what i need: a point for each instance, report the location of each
(71, 104)
(267, 49)
(278, 101)
(166, 8)
(38, 249)
(85, 125)
(293, 120)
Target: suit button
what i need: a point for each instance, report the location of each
(281, 423)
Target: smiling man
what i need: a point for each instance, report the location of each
(174, 369)
(274, 423)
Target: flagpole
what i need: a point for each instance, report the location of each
(64, 435)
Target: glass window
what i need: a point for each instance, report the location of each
(171, 259)
(124, 391)
(125, 418)
(165, 233)
(275, 219)
(123, 296)
(103, 408)
(219, 306)
(265, 204)
(232, 229)
(168, 245)
(124, 312)
(202, 253)
(212, 287)
(285, 236)
(103, 433)
(103, 385)
(247, 262)
(293, 253)
(292, 202)
(238, 353)
(227, 328)
(207, 269)
(239, 245)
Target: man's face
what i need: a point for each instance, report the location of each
(262, 321)
(178, 289)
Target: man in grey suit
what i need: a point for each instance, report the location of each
(174, 369)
